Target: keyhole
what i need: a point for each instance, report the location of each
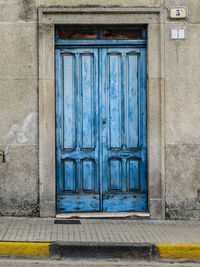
(104, 122)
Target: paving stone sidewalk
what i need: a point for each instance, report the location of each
(100, 230)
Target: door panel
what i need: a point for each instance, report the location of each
(87, 103)
(114, 100)
(131, 95)
(124, 137)
(69, 96)
(77, 130)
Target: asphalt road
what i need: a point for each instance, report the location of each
(89, 262)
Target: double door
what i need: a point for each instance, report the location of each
(101, 129)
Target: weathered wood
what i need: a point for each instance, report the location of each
(101, 128)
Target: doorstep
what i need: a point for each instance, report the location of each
(104, 215)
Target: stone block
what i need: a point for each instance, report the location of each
(19, 112)
(192, 6)
(47, 148)
(18, 10)
(19, 182)
(46, 51)
(47, 208)
(154, 55)
(182, 94)
(104, 3)
(157, 209)
(182, 182)
(18, 50)
(154, 127)
(95, 17)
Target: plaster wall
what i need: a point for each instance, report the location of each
(179, 105)
(182, 116)
(19, 108)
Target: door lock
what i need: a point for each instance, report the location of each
(104, 122)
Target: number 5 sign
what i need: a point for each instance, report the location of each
(178, 13)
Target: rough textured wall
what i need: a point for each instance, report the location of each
(182, 95)
(19, 108)
(19, 105)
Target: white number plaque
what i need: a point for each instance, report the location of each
(178, 13)
(178, 34)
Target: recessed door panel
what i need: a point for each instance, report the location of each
(115, 174)
(88, 172)
(132, 98)
(69, 104)
(133, 174)
(114, 99)
(87, 103)
(69, 175)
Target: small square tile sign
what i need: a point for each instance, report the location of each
(178, 33)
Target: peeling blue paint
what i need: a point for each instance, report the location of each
(101, 128)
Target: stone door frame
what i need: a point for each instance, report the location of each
(153, 18)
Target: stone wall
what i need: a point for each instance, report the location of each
(182, 113)
(19, 108)
(19, 175)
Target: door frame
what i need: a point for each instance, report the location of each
(151, 17)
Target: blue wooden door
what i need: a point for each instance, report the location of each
(124, 129)
(77, 130)
(101, 129)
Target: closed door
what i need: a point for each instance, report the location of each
(101, 129)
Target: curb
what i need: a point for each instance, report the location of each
(179, 251)
(60, 250)
(24, 249)
(102, 250)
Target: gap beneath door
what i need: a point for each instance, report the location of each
(104, 215)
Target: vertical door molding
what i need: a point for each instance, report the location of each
(153, 18)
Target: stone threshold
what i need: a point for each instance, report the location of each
(103, 215)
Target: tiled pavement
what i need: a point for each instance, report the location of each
(100, 230)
